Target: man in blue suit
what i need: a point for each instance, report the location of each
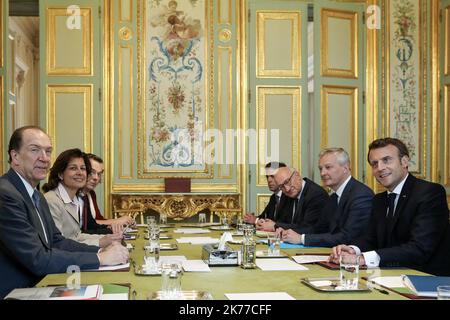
(30, 244)
(346, 213)
(409, 223)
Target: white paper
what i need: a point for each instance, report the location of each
(283, 264)
(204, 241)
(114, 296)
(259, 296)
(197, 240)
(389, 282)
(195, 266)
(191, 230)
(141, 225)
(171, 258)
(309, 258)
(112, 268)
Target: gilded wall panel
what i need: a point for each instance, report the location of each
(225, 111)
(278, 56)
(447, 41)
(126, 111)
(261, 202)
(125, 10)
(69, 47)
(278, 122)
(339, 102)
(1, 34)
(72, 102)
(447, 134)
(224, 11)
(339, 54)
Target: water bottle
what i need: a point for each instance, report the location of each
(248, 252)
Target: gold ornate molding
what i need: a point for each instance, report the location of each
(224, 89)
(125, 16)
(447, 40)
(86, 91)
(127, 148)
(125, 34)
(225, 35)
(87, 43)
(352, 92)
(1, 38)
(446, 134)
(179, 206)
(221, 14)
(324, 68)
(261, 202)
(296, 39)
(295, 117)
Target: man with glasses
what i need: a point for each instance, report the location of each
(346, 214)
(409, 223)
(90, 200)
(30, 244)
(305, 202)
(277, 200)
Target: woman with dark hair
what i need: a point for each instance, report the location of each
(68, 177)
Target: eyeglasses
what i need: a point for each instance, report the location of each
(287, 182)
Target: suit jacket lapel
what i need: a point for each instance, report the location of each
(298, 210)
(34, 219)
(402, 200)
(343, 199)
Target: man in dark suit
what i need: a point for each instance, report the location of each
(304, 203)
(346, 214)
(276, 202)
(409, 224)
(30, 244)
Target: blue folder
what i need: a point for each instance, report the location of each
(425, 286)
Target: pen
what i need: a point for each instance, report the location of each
(381, 290)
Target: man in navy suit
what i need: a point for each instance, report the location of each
(345, 215)
(30, 244)
(304, 203)
(277, 200)
(409, 224)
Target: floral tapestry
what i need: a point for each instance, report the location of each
(404, 77)
(175, 85)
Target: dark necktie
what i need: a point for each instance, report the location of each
(296, 203)
(391, 205)
(277, 204)
(36, 200)
(334, 202)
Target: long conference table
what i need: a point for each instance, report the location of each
(230, 279)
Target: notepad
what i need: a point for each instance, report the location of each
(309, 258)
(279, 264)
(195, 266)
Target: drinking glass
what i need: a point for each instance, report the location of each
(349, 270)
(163, 218)
(171, 272)
(273, 244)
(443, 292)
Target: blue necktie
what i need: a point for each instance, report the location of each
(391, 205)
(36, 200)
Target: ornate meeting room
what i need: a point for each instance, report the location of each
(225, 150)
